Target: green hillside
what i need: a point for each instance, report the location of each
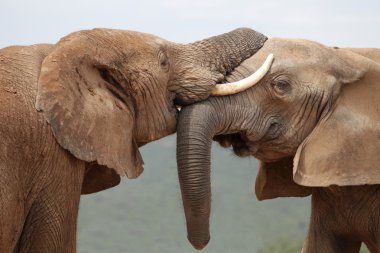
(145, 215)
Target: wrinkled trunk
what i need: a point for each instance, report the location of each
(209, 62)
(226, 51)
(197, 125)
(202, 64)
(195, 132)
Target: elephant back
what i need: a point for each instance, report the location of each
(23, 131)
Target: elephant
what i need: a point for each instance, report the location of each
(74, 114)
(313, 122)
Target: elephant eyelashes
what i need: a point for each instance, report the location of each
(281, 87)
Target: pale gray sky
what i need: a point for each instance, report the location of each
(338, 22)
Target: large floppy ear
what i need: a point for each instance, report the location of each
(98, 178)
(84, 95)
(344, 147)
(275, 179)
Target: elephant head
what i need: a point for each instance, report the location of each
(106, 92)
(312, 120)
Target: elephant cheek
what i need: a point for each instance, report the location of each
(152, 128)
(171, 124)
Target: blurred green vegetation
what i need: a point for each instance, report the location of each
(146, 215)
(290, 245)
(364, 249)
(283, 246)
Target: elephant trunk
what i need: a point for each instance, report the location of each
(197, 125)
(193, 158)
(203, 64)
(226, 51)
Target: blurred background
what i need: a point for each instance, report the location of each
(146, 215)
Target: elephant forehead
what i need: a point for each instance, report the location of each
(288, 54)
(295, 47)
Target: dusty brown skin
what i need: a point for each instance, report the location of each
(317, 108)
(74, 114)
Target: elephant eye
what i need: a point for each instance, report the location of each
(281, 86)
(163, 61)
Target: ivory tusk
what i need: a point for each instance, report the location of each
(242, 85)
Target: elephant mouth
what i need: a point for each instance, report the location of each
(270, 156)
(243, 147)
(239, 142)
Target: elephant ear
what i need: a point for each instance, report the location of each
(87, 104)
(98, 178)
(275, 179)
(343, 149)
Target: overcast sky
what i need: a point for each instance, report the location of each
(332, 22)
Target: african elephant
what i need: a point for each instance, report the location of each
(313, 121)
(74, 114)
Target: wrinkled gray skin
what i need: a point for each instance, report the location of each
(99, 94)
(308, 85)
